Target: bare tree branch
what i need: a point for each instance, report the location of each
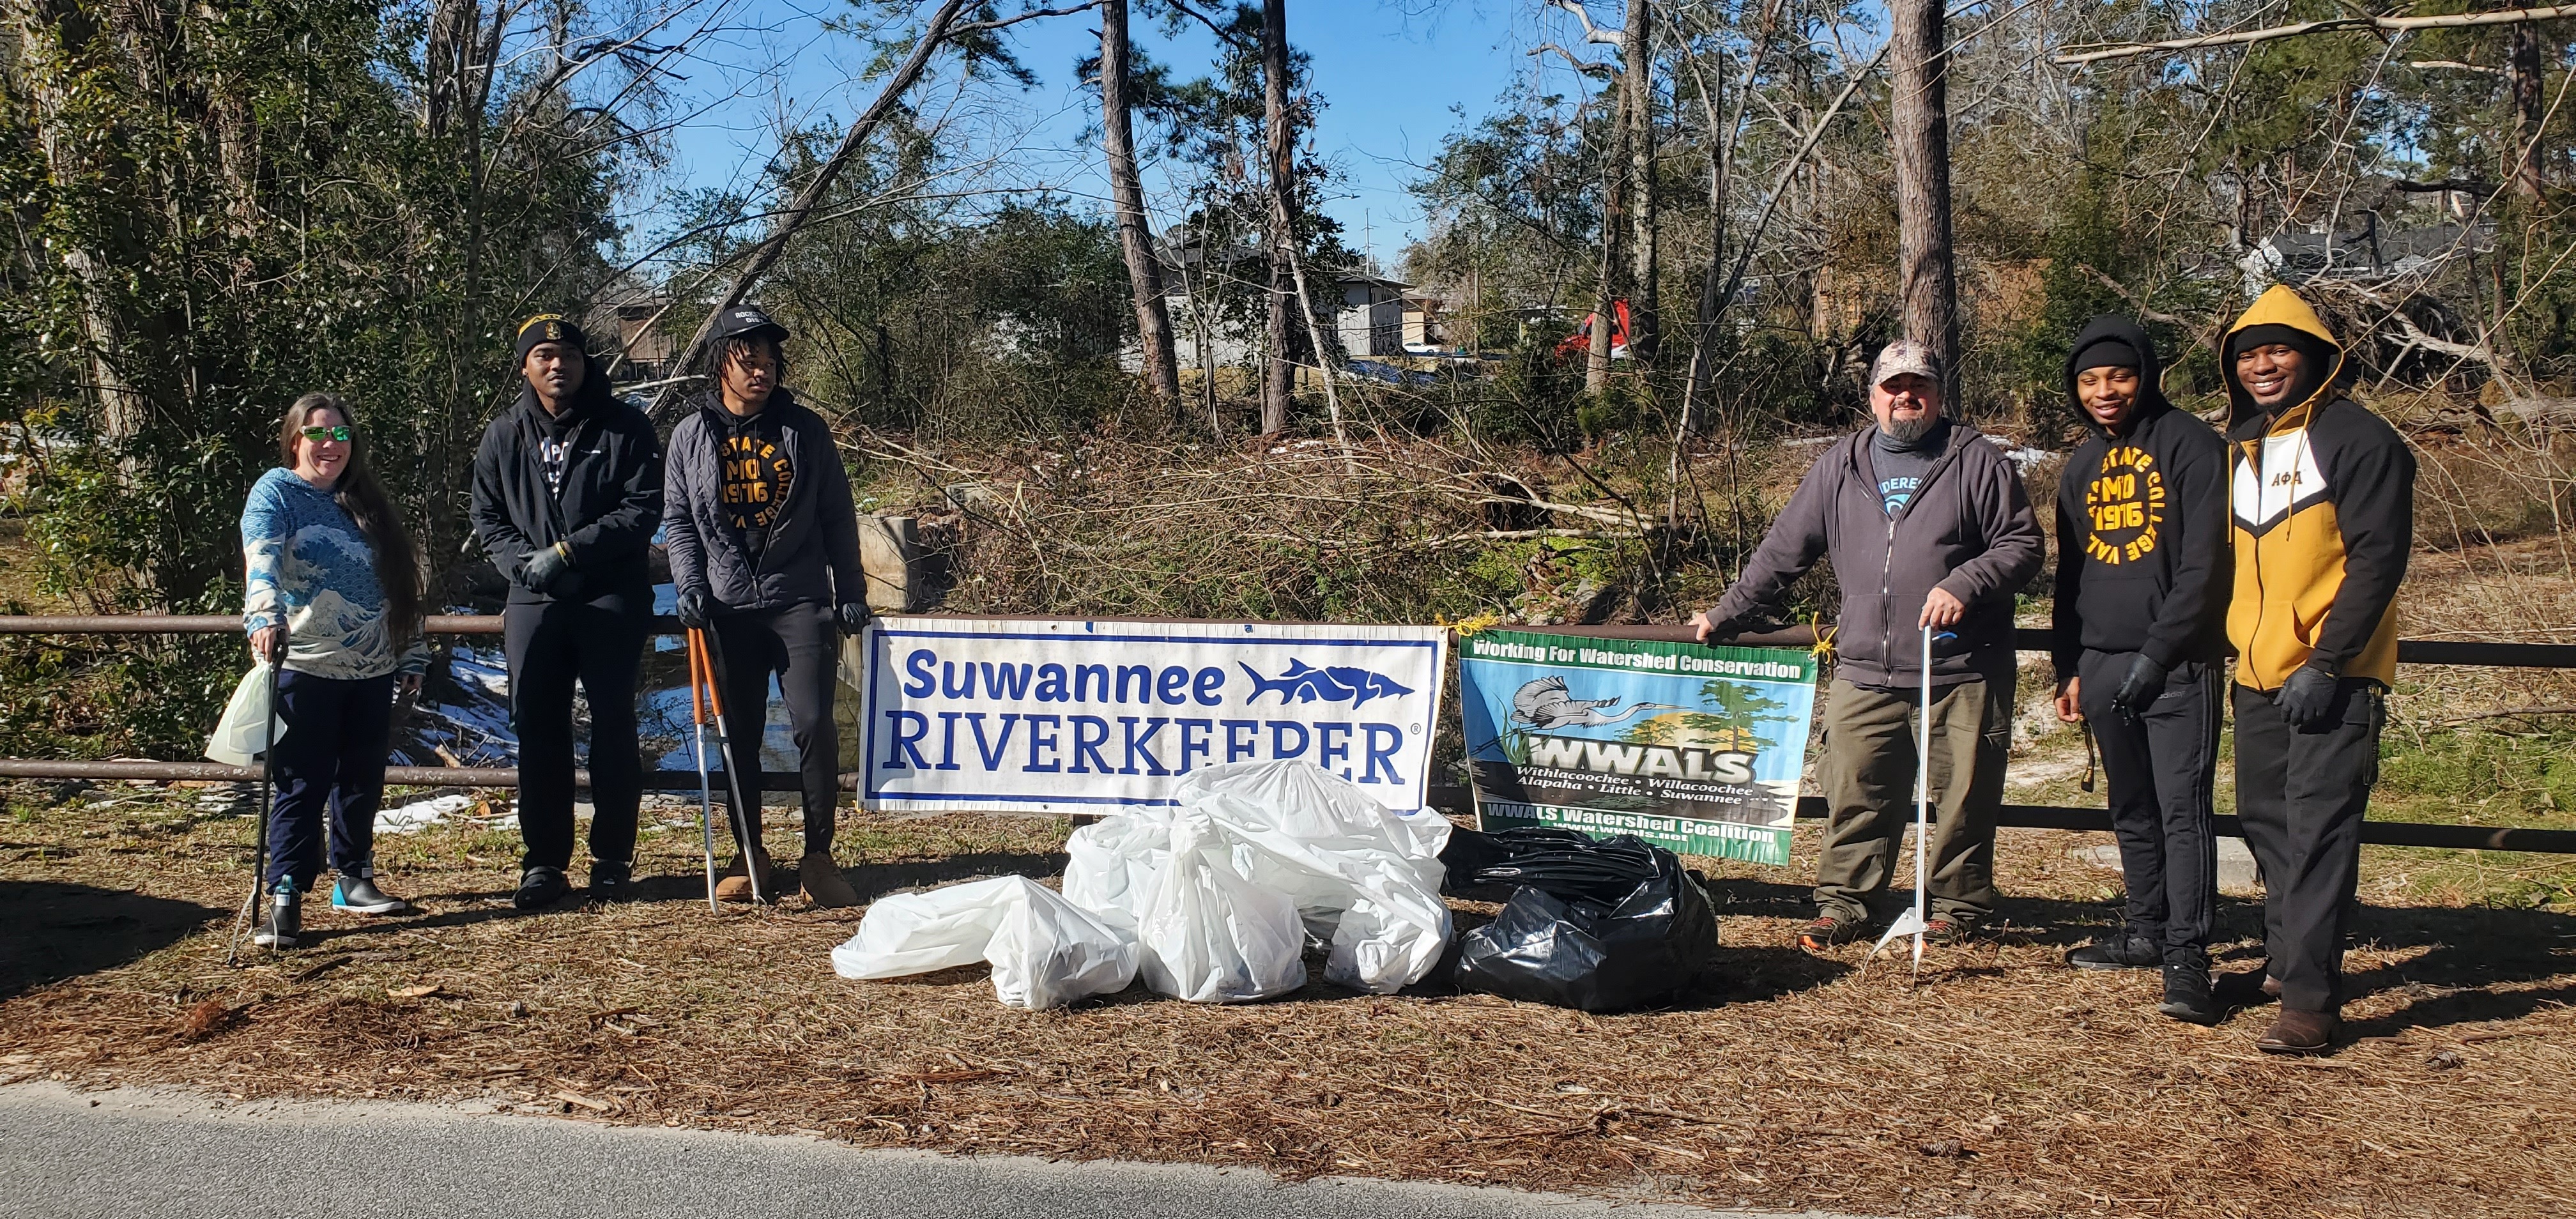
(2385, 25)
(1000, 22)
(1593, 34)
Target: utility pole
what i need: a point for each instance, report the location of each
(1279, 379)
(1920, 115)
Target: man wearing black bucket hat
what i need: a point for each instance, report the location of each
(567, 494)
(764, 544)
(2139, 640)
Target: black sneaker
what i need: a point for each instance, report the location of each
(2187, 996)
(612, 882)
(540, 887)
(356, 892)
(285, 918)
(2118, 952)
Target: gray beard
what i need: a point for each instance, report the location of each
(1907, 431)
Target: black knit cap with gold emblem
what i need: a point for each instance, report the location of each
(550, 328)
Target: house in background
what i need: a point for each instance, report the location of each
(1367, 319)
(634, 312)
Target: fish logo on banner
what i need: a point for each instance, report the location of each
(977, 714)
(1305, 683)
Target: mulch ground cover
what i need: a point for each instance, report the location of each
(1997, 1083)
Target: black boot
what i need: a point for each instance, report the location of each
(612, 882)
(2122, 951)
(2187, 996)
(540, 887)
(356, 892)
(285, 919)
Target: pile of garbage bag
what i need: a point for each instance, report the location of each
(1598, 925)
(1215, 897)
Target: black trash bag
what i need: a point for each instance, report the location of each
(1567, 864)
(1596, 957)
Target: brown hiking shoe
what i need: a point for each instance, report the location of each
(1830, 930)
(734, 884)
(822, 883)
(2298, 1032)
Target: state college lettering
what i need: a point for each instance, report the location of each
(756, 479)
(2126, 501)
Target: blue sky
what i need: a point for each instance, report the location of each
(1392, 74)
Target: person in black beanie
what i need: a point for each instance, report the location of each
(567, 494)
(764, 545)
(2140, 643)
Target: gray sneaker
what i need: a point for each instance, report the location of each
(285, 918)
(357, 893)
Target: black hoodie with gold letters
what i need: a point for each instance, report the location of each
(2322, 496)
(2141, 526)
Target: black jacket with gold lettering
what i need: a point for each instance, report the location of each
(2141, 526)
(2323, 500)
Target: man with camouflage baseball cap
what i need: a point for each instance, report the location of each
(1928, 527)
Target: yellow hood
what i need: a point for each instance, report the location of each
(2278, 306)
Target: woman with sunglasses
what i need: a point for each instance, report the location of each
(333, 595)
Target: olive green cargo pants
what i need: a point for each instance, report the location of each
(1867, 772)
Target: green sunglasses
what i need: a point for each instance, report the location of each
(327, 433)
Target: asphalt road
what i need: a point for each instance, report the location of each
(164, 1155)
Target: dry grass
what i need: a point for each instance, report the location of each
(2000, 1084)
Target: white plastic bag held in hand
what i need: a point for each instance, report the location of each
(1209, 935)
(242, 734)
(1045, 952)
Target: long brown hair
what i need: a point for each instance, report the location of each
(363, 498)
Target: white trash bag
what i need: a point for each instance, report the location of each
(1111, 864)
(1209, 935)
(1366, 879)
(241, 736)
(1045, 951)
(1049, 952)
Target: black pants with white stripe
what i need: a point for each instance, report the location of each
(2161, 764)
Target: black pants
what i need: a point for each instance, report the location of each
(552, 644)
(2161, 765)
(330, 760)
(2301, 793)
(802, 645)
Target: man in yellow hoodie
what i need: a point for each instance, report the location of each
(2322, 497)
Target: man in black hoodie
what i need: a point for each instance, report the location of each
(764, 544)
(2140, 637)
(567, 493)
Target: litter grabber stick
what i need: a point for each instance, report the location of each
(744, 808)
(267, 779)
(706, 788)
(1915, 922)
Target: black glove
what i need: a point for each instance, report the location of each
(1722, 629)
(2306, 697)
(549, 570)
(693, 609)
(2145, 682)
(853, 616)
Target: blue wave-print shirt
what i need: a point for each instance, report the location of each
(306, 564)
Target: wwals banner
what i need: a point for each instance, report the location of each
(1693, 748)
(1066, 716)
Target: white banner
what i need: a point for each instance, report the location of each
(1066, 716)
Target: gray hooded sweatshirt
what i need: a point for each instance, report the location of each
(1968, 530)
